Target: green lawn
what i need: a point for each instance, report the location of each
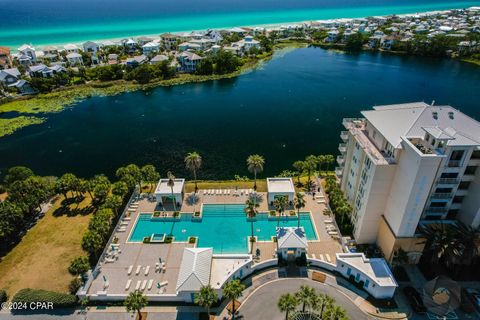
(42, 258)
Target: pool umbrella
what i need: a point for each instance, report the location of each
(441, 295)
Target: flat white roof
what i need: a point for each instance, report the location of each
(376, 268)
(195, 269)
(164, 189)
(291, 237)
(224, 266)
(280, 185)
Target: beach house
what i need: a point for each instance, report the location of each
(71, 48)
(74, 59)
(189, 61)
(5, 58)
(150, 47)
(26, 54)
(9, 76)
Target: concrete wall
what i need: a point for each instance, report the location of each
(410, 189)
(470, 210)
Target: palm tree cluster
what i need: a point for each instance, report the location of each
(255, 164)
(339, 205)
(310, 302)
(310, 164)
(453, 244)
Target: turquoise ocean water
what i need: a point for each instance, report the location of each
(42, 22)
(224, 227)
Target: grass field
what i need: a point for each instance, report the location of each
(42, 258)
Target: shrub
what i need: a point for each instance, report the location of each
(192, 240)
(60, 300)
(273, 213)
(168, 239)
(197, 213)
(252, 239)
(156, 214)
(146, 240)
(79, 265)
(176, 214)
(74, 285)
(3, 296)
(292, 213)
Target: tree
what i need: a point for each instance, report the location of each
(136, 301)
(280, 203)
(131, 175)
(287, 303)
(149, 174)
(335, 312)
(310, 165)
(251, 210)
(113, 202)
(320, 161)
(299, 203)
(300, 167)
(79, 266)
(171, 184)
(206, 297)
(354, 42)
(233, 290)
(11, 219)
(329, 159)
(119, 188)
(92, 243)
(205, 67)
(304, 296)
(30, 193)
(101, 187)
(193, 162)
(17, 174)
(226, 62)
(255, 164)
(66, 183)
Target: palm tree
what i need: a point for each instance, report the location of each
(300, 167)
(136, 301)
(329, 159)
(299, 202)
(206, 297)
(304, 296)
(468, 238)
(287, 303)
(251, 210)
(171, 184)
(193, 162)
(441, 241)
(335, 312)
(320, 161)
(326, 303)
(233, 290)
(280, 203)
(255, 165)
(310, 165)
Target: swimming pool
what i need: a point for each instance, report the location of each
(224, 227)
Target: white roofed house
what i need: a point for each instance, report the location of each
(194, 272)
(292, 243)
(214, 36)
(27, 54)
(23, 87)
(167, 194)
(203, 44)
(74, 59)
(50, 53)
(169, 40)
(40, 71)
(130, 44)
(189, 61)
(246, 44)
(150, 47)
(136, 60)
(9, 76)
(92, 48)
(280, 187)
(71, 48)
(158, 58)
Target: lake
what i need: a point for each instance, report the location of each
(289, 108)
(43, 22)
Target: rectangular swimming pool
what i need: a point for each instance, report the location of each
(224, 227)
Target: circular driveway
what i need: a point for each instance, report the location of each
(262, 303)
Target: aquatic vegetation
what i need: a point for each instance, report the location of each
(9, 126)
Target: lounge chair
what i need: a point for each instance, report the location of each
(149, 285)
(147, 270)
(139, 267)
(163, 284)
(228, 191)
(130, 268)
(144, 285)
(314, 256)
(204, 192)
(328, 221)
(138, 285)
(129, 282)
(109, 260)
(124, 223)
(328, 257)
(321, 257)
(122, 229)
(246, 192)
(157, 267)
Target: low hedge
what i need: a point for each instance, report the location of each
(3, 296)
(60, 300)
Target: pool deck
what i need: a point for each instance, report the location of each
(139, 254)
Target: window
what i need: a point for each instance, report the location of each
(452, 214)
(457, 155)
(427, 137)
(440, 144)
(470, 170)
(433, 142)
(433, 217)
(367, 282)
(464, 185)
(374, 134)
(438, 204)
(457, 199)
(349, 271)
(449, 175)
(476, 154)
(443, 190)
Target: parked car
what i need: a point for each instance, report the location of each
(415, 299)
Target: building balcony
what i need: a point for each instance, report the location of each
(448, 181)
(342, 148)
(344, 135)
(340, 160)
(353, 122)
(441, 195)
(454, 163)
(339, 171)
(435, 210)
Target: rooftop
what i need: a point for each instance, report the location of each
(195, 269)
(291, 237)
(164, 188)
(280, 185)
(376, 268)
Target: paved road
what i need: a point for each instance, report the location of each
(262, 304)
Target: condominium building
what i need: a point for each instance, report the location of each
(409, 164)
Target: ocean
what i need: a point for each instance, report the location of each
(41, 22)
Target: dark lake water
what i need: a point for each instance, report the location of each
(291, 107)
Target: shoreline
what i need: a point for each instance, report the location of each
(267, 26)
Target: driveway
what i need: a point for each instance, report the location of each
(262, 304)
